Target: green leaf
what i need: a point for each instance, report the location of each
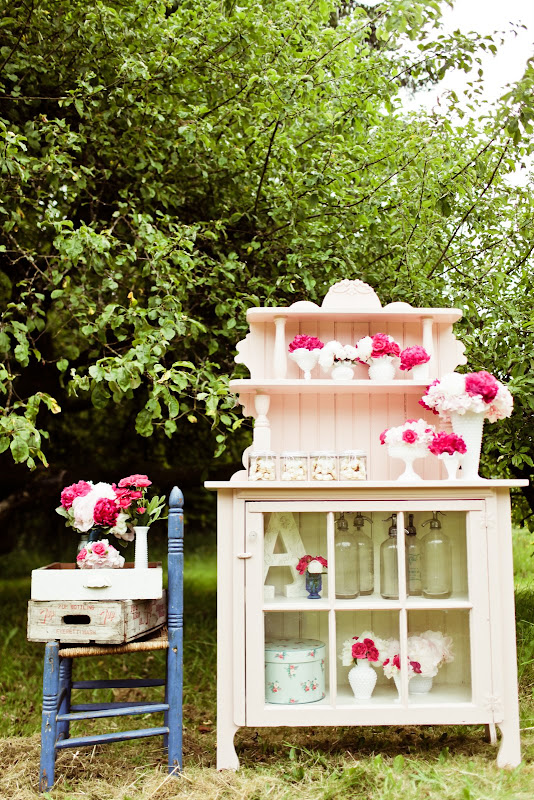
(19, 449)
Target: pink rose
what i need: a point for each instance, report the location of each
(106, 512)
(140, 481)
(483, 384)
(69, 493)
(359, 650)
(99, 549)
(409, 436)
(141, 510)
(384, 345)
(396, 661)
(82, 555)
(416, 666)
(125, 497)
(383, 437)
(373, 654)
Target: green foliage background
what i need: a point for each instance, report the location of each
(165, 165)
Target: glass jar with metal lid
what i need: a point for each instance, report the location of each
(323, 465)
(353, 465)
(262, 465)
(293, 465)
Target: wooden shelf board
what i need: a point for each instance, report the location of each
(287, 386)
(439, 315)
(373, 602)
(362, 486)
(438, 695)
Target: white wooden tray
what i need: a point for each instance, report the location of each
(60, 581)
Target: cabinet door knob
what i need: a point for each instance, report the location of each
(244, 555)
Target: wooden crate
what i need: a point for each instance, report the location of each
(101, 621)
(60, 581)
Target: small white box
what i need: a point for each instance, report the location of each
(59, 581)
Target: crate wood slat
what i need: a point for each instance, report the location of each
(99, 622)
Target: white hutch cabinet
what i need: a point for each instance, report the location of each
(260, 594)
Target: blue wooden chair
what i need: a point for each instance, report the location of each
(58, 712)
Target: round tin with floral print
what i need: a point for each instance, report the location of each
(294, 671)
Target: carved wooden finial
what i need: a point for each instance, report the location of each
(353, 295)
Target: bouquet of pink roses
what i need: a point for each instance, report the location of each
(99, 555)
(110, 509)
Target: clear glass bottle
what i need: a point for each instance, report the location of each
(293, 465)
(437, 561)
(366, 555)
(413, 560)
(389, 569)
(347, 561)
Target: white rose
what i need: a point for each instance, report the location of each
(83, 508)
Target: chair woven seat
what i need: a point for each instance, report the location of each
(158, 640)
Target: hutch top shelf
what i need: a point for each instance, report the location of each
(395, 312)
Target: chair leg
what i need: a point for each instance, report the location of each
(174, 693)
(49, 723)
(65, 688)
(166, 719)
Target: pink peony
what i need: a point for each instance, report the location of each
(412, 357)
(106, 512)
(139, 481)
(447, 443)
(69, 493)
(483, 384)
(306, 343)
(409, 436)
(82, 555)
(384, 345)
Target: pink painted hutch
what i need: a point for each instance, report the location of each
(259, 595)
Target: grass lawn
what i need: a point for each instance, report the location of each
(449, 763)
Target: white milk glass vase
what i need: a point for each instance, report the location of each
(421, 372)
(141, 546)
(408, 454)
(382, 369)
(362, 679)
(452, 462)
(417, 684)
(342, 371)
(306, 359)
(469, 426)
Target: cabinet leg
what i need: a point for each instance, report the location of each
(491, 733)
(226, 754)
(509, 754)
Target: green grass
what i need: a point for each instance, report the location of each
(394, 763)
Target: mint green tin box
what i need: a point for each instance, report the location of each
(294, 671)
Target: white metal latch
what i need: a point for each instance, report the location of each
(244, 555)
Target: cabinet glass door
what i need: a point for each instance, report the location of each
(406, 576)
